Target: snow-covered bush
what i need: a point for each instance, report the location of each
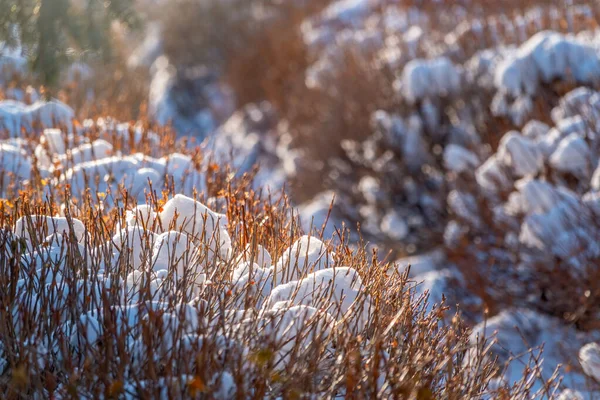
(533, 221)
(173, 296)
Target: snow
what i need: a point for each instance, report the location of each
(193, 101)
(225, 385)
(77, 72)
(547, 56)
(150, 48)
(535, 130)
(87, 152)
(142, 215)
(394, 226)
(369, 187)
(572, 155)
(88, 332)
(51, 113)
(574, 103)
(255, 284)
(460, 160)
(412, 37)
(429, 79)
(244, 269)
(491, 176)
(315, 214)
(306, 254)
(14, 116)
(434, 284)
(160, 105)
(421, 264)
(14, 160)
(544, 57)
(302, 326)
(540, 230)
(174, 251)
(464, 206)
(190, 216)
(519, 334)
(259, 255)
(569, 394)
(589, 357)
(48, 225)
(11, 63)
(135, 242)
(595, 181)
(346, 11)
(184, 214)
(100, 175)
(537, 196)
(334, 290)
(520, 154)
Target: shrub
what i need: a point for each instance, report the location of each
(171, 299)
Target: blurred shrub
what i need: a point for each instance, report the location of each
(53, 32)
